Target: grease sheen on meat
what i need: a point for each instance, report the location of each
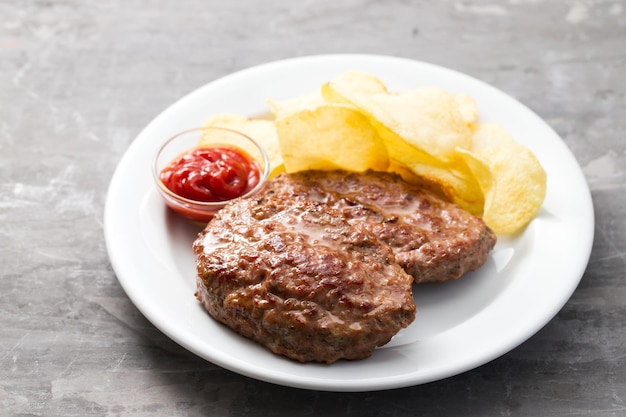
(433, 240)
(295, 276)
(320, 266)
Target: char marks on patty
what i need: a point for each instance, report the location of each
(296, 277)
(433, 240)
(319, 266)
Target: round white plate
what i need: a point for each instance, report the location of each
(459, 325)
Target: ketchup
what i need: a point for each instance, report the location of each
(212, 174)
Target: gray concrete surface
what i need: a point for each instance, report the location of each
(79, 80)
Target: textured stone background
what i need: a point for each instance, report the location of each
(79, 80)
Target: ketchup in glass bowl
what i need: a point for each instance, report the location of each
(199, 171)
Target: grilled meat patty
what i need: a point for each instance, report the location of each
(433, 240)
(295, 276)
(320, 266)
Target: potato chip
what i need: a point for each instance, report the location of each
(330, 137)
(427, 135)
(453, 178)
(512, 179)
(285, 108)
(408, 144)
(263, 131)
(429, 119)
(362, 82)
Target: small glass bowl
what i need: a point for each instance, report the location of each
(201, 211)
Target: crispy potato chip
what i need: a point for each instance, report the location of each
(330, 137)
(263, 131)
(429, 119)
(453, 178)
(468, 110)
(427, 135)
(435, 184)
(362, 82)
(513, 181)
(451, 174)
(285, 108)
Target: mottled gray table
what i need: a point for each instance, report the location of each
(79, 80)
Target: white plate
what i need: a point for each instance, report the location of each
(459, 325)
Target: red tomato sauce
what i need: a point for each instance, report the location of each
(213, 174)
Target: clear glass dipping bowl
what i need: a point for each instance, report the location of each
(201, 211)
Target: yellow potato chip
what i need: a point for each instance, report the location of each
(512, 179)
(451, 174)
(360, 81)
(427, 135)
(263, 131)
(285, 108)
(467, 108)
(330, 137)
(453, 177)
(429, 119)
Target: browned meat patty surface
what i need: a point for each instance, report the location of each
(433, 240)
(297, 277)
(315, 267)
